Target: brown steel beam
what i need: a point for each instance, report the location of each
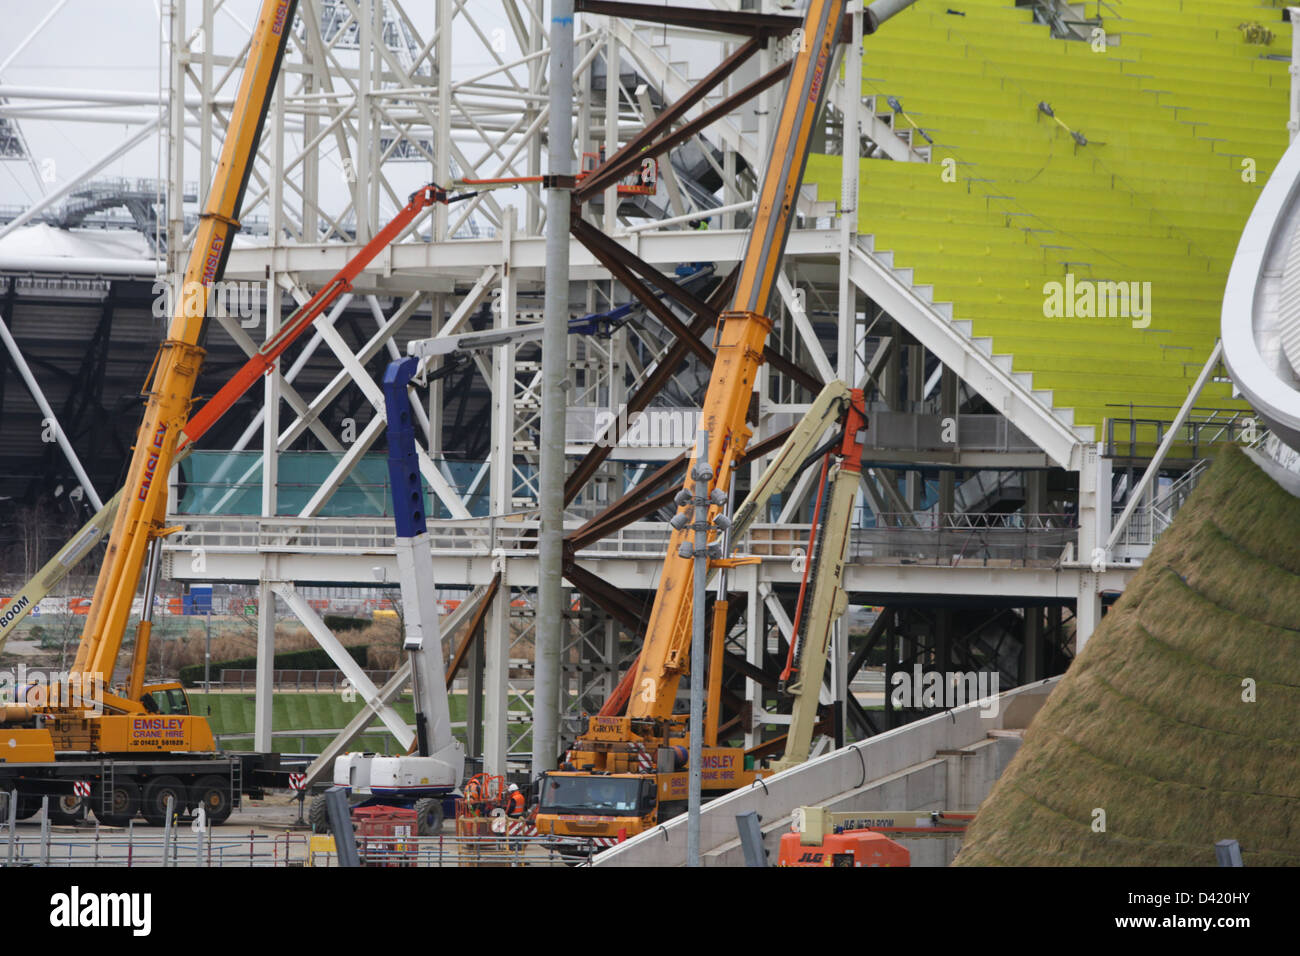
(859, 713)
(588, 234)
(614, 601)
(626, 515)
(472, 630)
(662, 473)
(872, 639)
(756, 674)
(602, 247)
(626, 510)
(587, 189)
(684, 297)
(629, 156)
(720, 21)
(665, 369)
(790, 370)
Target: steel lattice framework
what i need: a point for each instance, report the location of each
(377, 97)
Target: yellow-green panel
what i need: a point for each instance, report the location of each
(1183, 120)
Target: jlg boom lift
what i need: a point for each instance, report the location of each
(627, 771)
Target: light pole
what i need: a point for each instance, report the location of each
(699, 551)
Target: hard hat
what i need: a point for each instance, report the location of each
(513, 787)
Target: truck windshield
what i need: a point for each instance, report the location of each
(609, 796)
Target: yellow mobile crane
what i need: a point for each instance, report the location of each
(134, 746)
(628, 772)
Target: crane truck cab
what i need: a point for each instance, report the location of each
(626, 775)
(167, 697)
(581, 806)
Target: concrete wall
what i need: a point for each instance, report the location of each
(948, 761)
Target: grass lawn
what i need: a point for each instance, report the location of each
(233, 714)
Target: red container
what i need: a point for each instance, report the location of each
(385, 835)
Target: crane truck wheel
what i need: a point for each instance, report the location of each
(156, 792)
(428, 816)
(123, 802)
(67, 810)
(319, 814)
(212, 793)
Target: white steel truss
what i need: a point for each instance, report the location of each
(378, 97)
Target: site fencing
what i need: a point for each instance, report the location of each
(149, 847)
(183, 843)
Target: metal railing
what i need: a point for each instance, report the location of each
(95, 845)
(301, 680)
(908, 431)
(1140, 434)
(1150, 521)
(151, 847)
(440, 851)
(896, 538)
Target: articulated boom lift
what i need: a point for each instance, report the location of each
(425, 777)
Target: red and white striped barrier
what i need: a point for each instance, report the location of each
(81, 788)
(644, 763)
(508, 827)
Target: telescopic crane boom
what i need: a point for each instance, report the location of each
(170, 388)
(615, 768)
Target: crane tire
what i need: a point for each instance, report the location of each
(212, 793)
(318, 815)
(428, 816)
(156, 792)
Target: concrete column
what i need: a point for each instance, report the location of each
(948, 405)
(915, 487)
(262, 684)
(846, 361)
(1035, 504)
(943, 641)
(1031, 661)
(1087, 613)
(474, 698)
(548, 633)
(891, 662)
(496, 653)
(839, 661)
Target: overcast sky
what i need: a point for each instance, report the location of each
(120, 45)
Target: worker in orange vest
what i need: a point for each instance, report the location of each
(515, 804)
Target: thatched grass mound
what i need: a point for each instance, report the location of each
(1150, 724)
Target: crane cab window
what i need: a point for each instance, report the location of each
(169, 701)
(598, 794)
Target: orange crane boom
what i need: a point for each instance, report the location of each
(171, 384)
(665, 655)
